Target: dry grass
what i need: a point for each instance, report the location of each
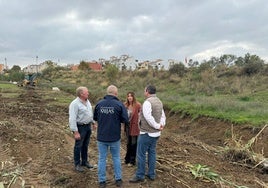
(243, 154)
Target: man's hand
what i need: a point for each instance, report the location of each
(77, 135)
(94, 126)
(161, 127)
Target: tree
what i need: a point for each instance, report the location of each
(83, 66)
(16, 76)
(178, 69)
(124, 67)
(239, 61)
(50, 71)
(213, 62)
(15, 68)
(111, 72)
(227, 59)
(206, 65)
(251, 64)
(50, 63)
(192, 63)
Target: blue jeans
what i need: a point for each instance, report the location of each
(146, 144)
(103, 148)
(81, 146)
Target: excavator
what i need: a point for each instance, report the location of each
(29, 81)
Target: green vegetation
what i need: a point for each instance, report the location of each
(83, 66)
(229, 88)
(203, 172)
(241, 100)
(230, 108)
(9, 90)
(111, 73)
(57, 98)
(6, 86)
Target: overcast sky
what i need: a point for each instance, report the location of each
(68, 31)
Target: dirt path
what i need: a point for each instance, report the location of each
(36, 149)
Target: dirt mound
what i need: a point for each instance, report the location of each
(36, 150)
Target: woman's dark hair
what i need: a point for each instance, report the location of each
(151, 89)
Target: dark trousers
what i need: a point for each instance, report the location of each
(131, 150)
(81, 146)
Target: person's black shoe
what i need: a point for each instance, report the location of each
(118, 183)
(135, 179)
(79, 168)
(150, 178)
(102, 184)
(87, 165)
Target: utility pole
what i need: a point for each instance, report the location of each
(5, 63)
(36, 64)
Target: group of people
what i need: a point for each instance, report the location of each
(142, 124)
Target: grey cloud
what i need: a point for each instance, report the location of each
(71, 31)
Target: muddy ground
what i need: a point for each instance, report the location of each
(36, 149)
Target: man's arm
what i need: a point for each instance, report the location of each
(73, 110)
(163, 118)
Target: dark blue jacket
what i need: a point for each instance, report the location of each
(110, 113)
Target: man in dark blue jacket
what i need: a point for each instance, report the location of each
(109, 113)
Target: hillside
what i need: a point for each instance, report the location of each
(36, 147)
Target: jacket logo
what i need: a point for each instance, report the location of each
(107, 110)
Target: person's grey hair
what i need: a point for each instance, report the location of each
(80, 90)
(112, 90)
(151, 89)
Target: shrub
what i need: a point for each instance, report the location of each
(142, 73)
(252, 68)
(111, 72)
(178, 69)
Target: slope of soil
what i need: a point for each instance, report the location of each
(36, 149)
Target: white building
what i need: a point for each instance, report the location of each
(37, 68)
